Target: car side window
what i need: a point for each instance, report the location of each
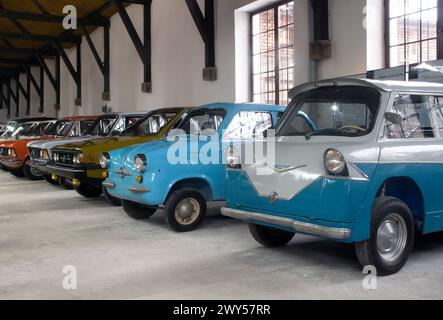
(416, 118)
(248, 125)
(436, 105)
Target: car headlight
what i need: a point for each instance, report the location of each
(12, 153)
(334, 161)
(232, 157)
(141, 163)
(105, 160)
(78, 158)
(44, 154)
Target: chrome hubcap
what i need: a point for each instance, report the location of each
(392, 236)
(187, 211)
(35, 172)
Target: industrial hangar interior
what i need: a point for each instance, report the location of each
(101, 198)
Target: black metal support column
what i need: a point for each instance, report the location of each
(54, 80)
(58, 81)
(143, 48)
(206, 26)
(1, 94)
(17, 96)
(42, 91)
(36, 85)
(8, 97)
(25, 92)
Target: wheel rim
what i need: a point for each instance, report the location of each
(392, 237)
(187, 211)
(35, 172)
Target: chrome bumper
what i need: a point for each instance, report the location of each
(297, 226)
(111, 185)
(108, 185)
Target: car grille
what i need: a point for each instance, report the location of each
(4, 152)
(64, 158)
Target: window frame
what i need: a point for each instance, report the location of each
(387, 35)
(276, 50)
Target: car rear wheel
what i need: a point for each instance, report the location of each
(65, 183)
(392, 237)
(17, 173)
(3, 168)
(88, 191)
(116, 202)
(32, 173)
(185, 210)
(270, 237)
(138, 211)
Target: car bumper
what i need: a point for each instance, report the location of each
(12, 163)
(40, 166)
(289, 224)
(134, 189)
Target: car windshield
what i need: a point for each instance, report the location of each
(10, 128)
(151, 124)
(25, 129)
(102, 126)
(41, 129)
(59, 129)
(86, 126)
(203, 121)
(331, 111)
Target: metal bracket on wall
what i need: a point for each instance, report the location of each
(206, 26)
(143, 48)
(104, 64)
(25, 92)
(75, 74)
(55, 81)
(39, 88)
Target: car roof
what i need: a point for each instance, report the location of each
(22, 120)
(79, 118)
(386, 85)
(243, 106)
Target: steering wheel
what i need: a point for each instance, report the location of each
(352, 128)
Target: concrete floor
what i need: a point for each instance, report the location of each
(44, 228)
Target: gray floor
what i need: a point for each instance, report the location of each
(44, 228)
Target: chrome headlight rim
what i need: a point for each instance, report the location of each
(105, 160)
(77, 159)
(334, 162)
(233, 159)
(12, 153)
(141, 163)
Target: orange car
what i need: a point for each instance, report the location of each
(14, 154)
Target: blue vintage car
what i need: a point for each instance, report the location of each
(368, 171)
(185, 170)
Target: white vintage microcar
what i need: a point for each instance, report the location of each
(356, 161)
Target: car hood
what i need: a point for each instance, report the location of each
(24, 142)
(92, 149)
(54, 143)
(300, 162)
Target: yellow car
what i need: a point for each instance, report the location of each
(80, 162)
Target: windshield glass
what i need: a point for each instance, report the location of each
(332, 111)
(41, 129)
(200, 121)
(86, 126)
(59, 129)
(10, 128)
(152, 124)
(102, 126)
(25, 129)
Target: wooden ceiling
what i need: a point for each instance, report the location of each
(16, 33)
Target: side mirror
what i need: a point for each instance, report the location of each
(394, 118)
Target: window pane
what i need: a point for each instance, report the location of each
(283, 56)
(427, 4)
(429, 24)
(413, 53)
(397, 31)
(412, 6)
(397, 56)
(256, 24)
(437, 114)
(256, 44)
(413, 27)
(429, 50)
(396, 8)
(248, 125)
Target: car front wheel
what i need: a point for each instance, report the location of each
(270, 237)
(31, 173)
(88, 191)
(392, 237)
(138, 211)
(185, 210)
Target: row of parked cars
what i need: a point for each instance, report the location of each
(350, 160)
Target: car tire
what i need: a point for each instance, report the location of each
(17, 173)
(32, 173)
(88, 192)
(185, 210)
(392, 237)
(3, 168)
(65, 183)
(113, 201)
(49, 179)
(137, 211)
(270, 237)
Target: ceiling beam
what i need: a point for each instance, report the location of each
(21, 15)
(42, 38)
(25, 51)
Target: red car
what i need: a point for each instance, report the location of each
(14, 154)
